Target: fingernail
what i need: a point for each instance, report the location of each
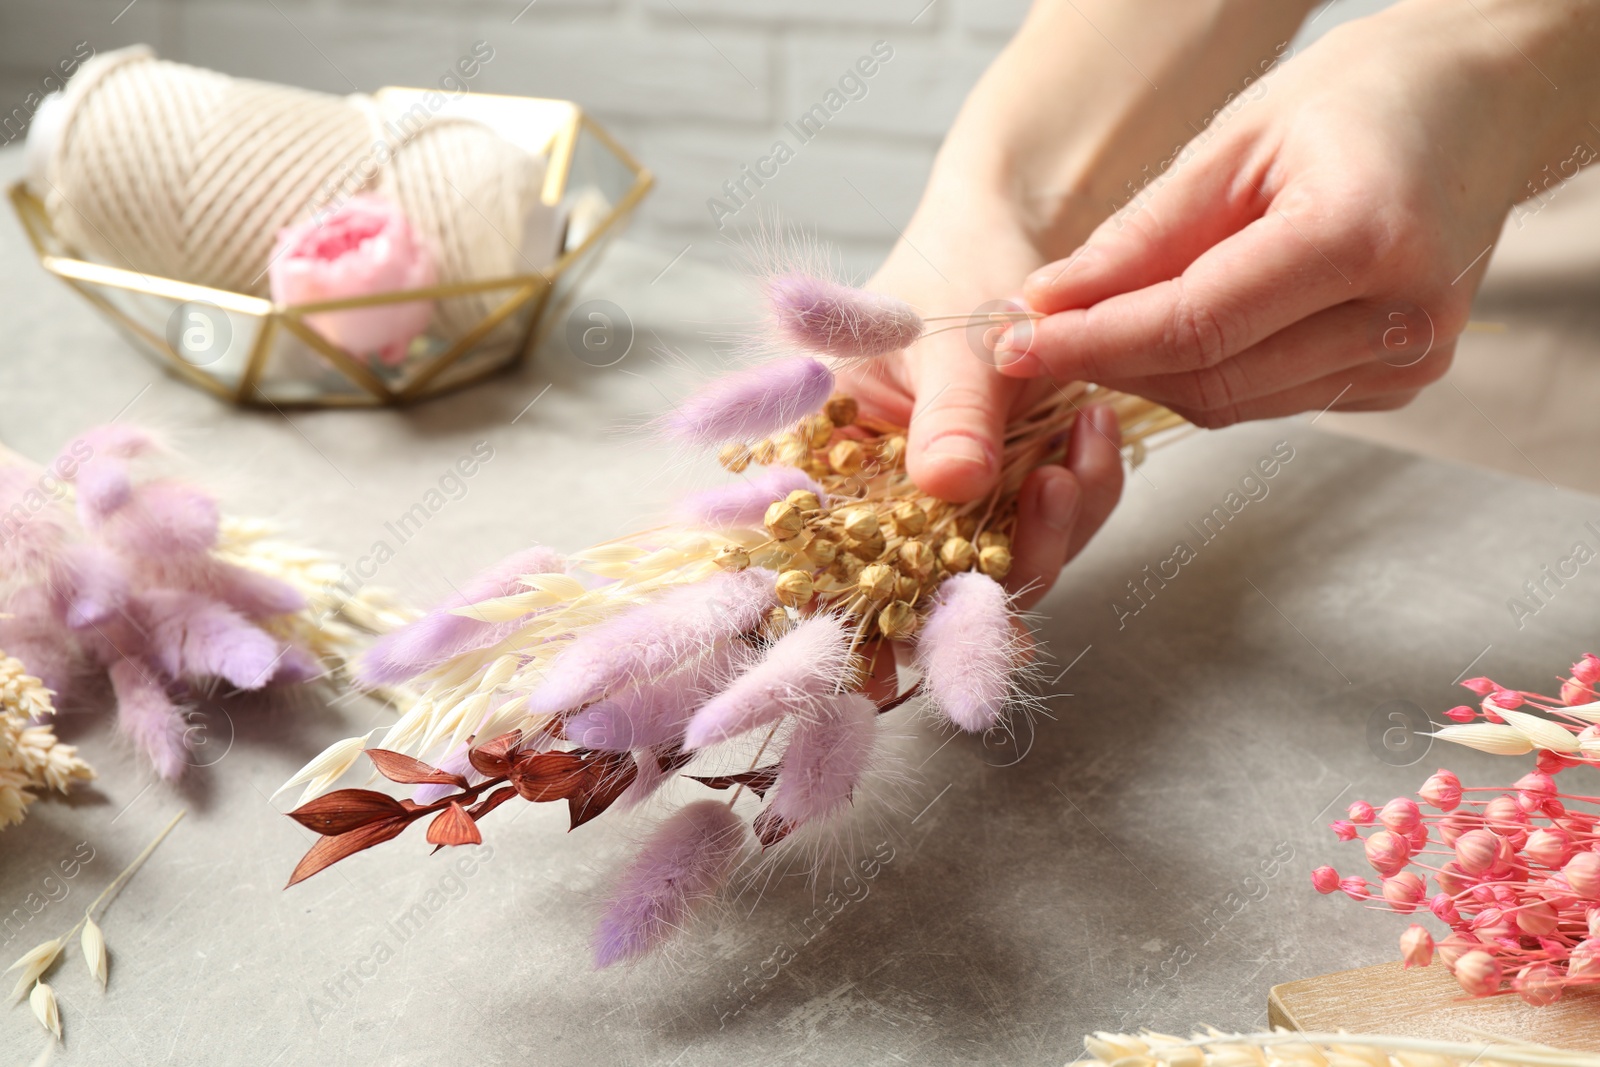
(1105, 420)
(1058, 502)
(958, 447)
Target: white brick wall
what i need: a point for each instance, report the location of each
(696, 87)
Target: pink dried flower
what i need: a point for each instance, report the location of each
(1576, 692)
(1462, 713)
(364, 248)
(823, 316)
(1401, 815)
(1534, 789)
(967, 650)
(1355, 888)
(148, 717)
(1442, 790)
(1405, 892)
(1582, 873)
(1538, 919)
(1549, 847)
(1538, 984)
(1345, 829)
(1506, 699)
(1325, 880)
(745, 502)
(1585, 962)
(1361, 813)
(1416, 946)
(651, 640)
(1476, 851)
(682, 864)
(825, 758)
(1444, 909)
(1478, 972)
(795, 676)
(1482, 686)
(1387, 852)
(750, 404)
(441, 634)
(1587, 669)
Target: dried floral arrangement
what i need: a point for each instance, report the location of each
(32, 761)
(137, 576)
(1286, 1048)
(1517, 871)
(37, 961)
(737, 647)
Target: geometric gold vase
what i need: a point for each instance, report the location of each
(251, 351)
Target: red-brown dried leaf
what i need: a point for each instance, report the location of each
(757, 781)
(770, 828)
(492, 801)
(344, 810)
(541, 776)
(493, 758)
(453, 826)
(331, 849)
(610, 776)
(398, 767)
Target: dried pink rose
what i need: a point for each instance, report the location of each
(364, 248)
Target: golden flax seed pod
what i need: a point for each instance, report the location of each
(793, 588)
(783, 520)
(916, 559)
(734, 457)
(816, 430)
(860, 523)
(805, 501)
(957, 554)
(993, 539)
(846, 457)
(876, 582)
(906, 587)
(824, 550)
(764, 452)
(995, 561)
(846, 568)
(892, 451)
(778, 623)
(732, 558)
(791, 450)
(898, 620)
(909, 519)
(869, 550)
(967, 526)
(841, 410)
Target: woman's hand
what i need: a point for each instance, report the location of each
(1320, 246)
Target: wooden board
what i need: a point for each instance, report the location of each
(1427, 1002)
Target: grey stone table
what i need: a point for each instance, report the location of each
(1140, 858)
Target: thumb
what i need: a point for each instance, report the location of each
(954, 444)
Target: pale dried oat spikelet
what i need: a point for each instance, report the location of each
(45, 1008)
(31, 759)
(1285, 1048)
(94, 949)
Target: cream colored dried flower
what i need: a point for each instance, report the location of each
(94, 950)
(33, 963)
(45, 1008)
(32, 761)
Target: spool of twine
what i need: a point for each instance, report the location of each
(186, 173)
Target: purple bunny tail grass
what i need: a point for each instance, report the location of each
(159, 518)
(30, 631)
(112, 440)
(651, 640)
(192, 637)
(968, 651)
(824, 316)
(250, 593)
(804, 666)
(104, 485)
(745, 503)
(32, 534)
(441, 634)
(92, 584)
(825, 759)
(750, 404)
(147, 715)
(682, 864)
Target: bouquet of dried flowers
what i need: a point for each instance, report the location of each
(738, 647)
(1517, 871)
(104, 564)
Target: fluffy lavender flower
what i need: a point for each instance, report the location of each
(436, 637)
(159, 519)
(32, 530)
(825, 759)
(250, 593)
(682, 864)
(147, 715)
(967, 650)
(837, 320)
(193, 637)
(116, 439)
(750, 404)
(805, 665)
(650, 641)
(745, 502)
(645, 715)
(104, 485)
